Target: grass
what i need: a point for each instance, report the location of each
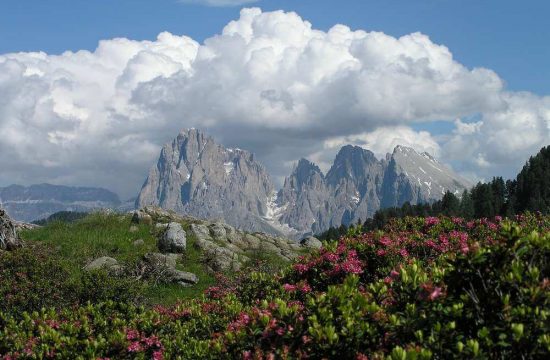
(77, 243)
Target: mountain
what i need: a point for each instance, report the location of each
(358, 184)
(40, 201)
(196, 176)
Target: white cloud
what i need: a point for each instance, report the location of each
(269, 82)
(219, 2)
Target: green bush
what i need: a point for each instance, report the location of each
(433, 288)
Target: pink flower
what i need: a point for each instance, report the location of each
(386, 241)
(301, 268)
(132, 334)
(435, 293)
(404, 253)
(381, 252)
(135, 347)
(289, 287)
(352, 266)
(157, 355)
(305, 288)
(429, 221)
(331, 257)
(247, 355)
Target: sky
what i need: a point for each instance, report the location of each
(90, 90)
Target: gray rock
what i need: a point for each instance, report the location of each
(8, 234)
(201, 232)
(138, 242)
(311, 242)
(182, 278)
(141, 217)
(218, 231)
(161, 260)
(104, 262)
(173, 240)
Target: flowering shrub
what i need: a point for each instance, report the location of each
(422, 288)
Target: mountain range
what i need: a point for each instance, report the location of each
(196, 176)
(29, 203)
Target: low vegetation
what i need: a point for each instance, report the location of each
(421, 288)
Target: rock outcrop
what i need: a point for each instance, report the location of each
(223, 247)
(8, 233)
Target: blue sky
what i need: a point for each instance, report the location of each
(510, 37)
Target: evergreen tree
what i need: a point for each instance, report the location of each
(467, 209)
(450, 204)
(533, 184)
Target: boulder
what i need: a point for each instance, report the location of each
(311, 242)
(161, 260)
(219, 232)
(141, 217)
(8, 234)
(104, 262)
(182, 278)
(173, 240)
(138, 242)
(201, 232)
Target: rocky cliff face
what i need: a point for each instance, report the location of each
(196, 176)
(358, 184)
(40, 201)
(417, 178)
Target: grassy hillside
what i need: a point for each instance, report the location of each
(423, 288)
(75, 244)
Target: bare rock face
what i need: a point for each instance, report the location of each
(357, 185)
(8, 234)
(197, 177)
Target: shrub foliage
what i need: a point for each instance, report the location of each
(422, 288)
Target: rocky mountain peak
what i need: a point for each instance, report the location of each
(351, 162)
(197, 176)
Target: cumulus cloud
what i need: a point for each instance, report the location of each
(270, 83)
(219, 2)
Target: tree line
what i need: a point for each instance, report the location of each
(530, 191)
